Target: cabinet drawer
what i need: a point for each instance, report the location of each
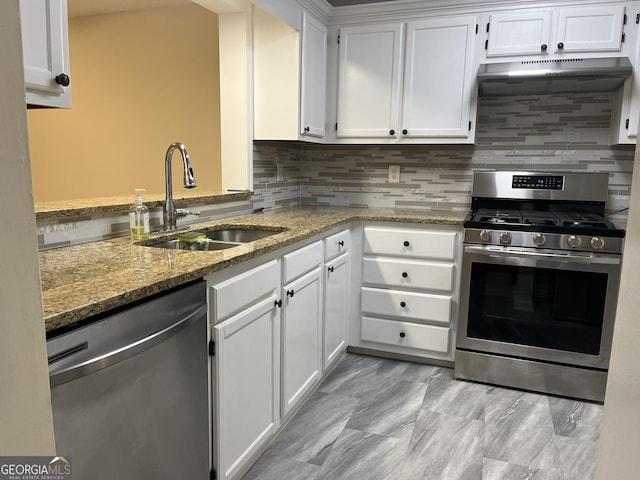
(301, 261)
(404, 334)
(237, 293)
(410, 243)
(335, 244)
(413, 274)
(422, 307)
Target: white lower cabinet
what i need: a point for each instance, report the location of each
(246, 386)
(336, 291)
(409, 290)
(301, 337)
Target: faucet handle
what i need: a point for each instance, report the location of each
(181, 212)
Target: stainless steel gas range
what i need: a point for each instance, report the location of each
(540, 278)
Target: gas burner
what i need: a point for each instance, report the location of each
(584, 224)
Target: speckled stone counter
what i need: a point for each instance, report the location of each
(85, 280)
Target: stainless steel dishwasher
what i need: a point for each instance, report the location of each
(130, 391)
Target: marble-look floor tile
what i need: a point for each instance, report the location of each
(443, 447)
(578, 457)
(412, 372)
(503, 392)
(360, 455)
(497, 470)
(455, 397)
(520, 432)
(270, 467)
(350, 368)
(390, 407)
(575, 419)
(311, 433)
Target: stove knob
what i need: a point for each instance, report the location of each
(505, 238)
(573, 241)
(597, 243)
(539, 239)
(485, 235)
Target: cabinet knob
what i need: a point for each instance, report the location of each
(403, 304)
(278, 303)
(406, 243)
(330, 269)
(291, 293)
(306, 129)
(543, 47)
(405, 274)
(405, 131)
(402, 335)
(341, 243)
(392, 132)
(560, 46)
(63, 79)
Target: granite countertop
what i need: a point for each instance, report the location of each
(84, 280)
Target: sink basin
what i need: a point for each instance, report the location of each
(217, 239)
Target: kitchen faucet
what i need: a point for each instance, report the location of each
(170, 214)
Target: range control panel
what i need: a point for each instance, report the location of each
(538, 182)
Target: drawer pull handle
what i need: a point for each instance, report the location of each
(405, 274)
(330, 269)
(278, 303)
(403, 304)
(402, 334)
(291, 293)
(406, 243)
(341, 243)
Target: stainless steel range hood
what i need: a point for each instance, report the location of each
(572, 75)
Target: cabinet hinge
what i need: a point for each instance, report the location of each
(623, 35)
(213, 475)
(338, 38)
(486, 44)
(477, 26)
(624, 19)
(487, 27)
(469, 125)
(212, 348)
(637, 17)
(626, 124)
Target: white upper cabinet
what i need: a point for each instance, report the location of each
(519, 34)
(417, 89)
(313, 82)
(369, 80)
(46, 52)
(438, 78)
(556, 31)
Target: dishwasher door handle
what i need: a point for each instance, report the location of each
(119, 354)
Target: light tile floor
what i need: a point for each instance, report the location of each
(379, 419)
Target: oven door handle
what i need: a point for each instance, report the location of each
(498, 252)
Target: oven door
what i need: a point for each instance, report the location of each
(539, 304)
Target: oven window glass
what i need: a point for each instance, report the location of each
(540, 307)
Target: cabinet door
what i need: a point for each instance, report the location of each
(438, 78)
(301, 338)
(336, 285)
(519, 34)
(594, 29)
(313, 77)
(369, 81)
(246, 385)
(45, 51)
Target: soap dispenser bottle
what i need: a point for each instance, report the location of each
(139, 218)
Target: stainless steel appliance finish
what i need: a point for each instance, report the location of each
(540, 280)
(567, 75)
(130, 391)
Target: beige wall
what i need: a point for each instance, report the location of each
(620, 430)
(25, 406)
(157, 81)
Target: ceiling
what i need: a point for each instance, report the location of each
(80, 8)
(345, 3)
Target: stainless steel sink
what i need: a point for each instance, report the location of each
(216, 239)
